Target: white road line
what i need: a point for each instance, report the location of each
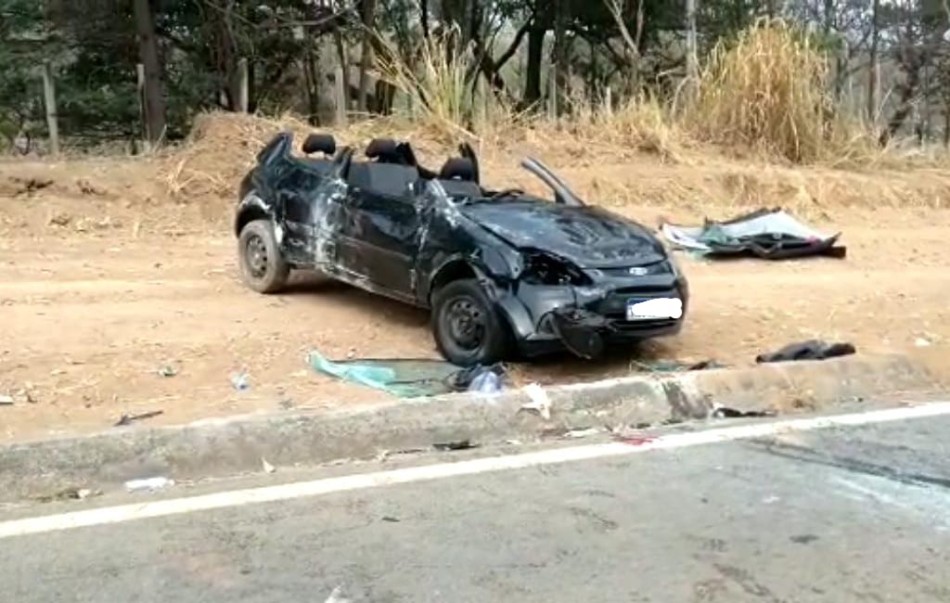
(237, 498)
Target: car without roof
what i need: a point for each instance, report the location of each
(502, 272)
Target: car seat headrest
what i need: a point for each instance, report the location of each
(458, 168)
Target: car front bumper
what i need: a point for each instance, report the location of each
(585, 320)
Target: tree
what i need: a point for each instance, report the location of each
(154, 89)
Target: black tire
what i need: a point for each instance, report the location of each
(263, 269)
(467, 328)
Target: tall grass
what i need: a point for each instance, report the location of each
(437, 85)
(766, 93)
(769, 91)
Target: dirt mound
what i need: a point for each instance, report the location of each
(222, 147)
(219, 151)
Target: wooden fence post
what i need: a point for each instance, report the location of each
(339, 87)
(49, 95)
(243, 86)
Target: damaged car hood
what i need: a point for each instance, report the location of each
(588, 236)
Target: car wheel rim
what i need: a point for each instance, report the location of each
(256, 254)
(466, 323)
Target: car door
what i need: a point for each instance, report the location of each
(298, 186)
(379, 239)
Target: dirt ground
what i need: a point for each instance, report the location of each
(101, 289)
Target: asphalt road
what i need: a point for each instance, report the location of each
(841, 514)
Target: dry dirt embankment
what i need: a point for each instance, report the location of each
(111, 269)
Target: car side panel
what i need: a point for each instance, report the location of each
(380, 239)
(308, 208)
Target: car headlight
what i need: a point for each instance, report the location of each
(542, 268)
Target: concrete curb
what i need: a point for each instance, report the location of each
(219, 448)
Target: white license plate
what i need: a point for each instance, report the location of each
(661, 308)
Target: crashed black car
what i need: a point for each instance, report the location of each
(502, 271)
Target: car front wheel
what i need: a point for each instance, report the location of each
(263, 269)
(467, 328)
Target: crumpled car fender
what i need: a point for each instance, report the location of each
(251, 208)
(493, 273)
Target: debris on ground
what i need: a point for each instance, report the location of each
(452, 446)
(6, 400)
(268, 468)
(672, 366)
(27, 393)
(813, 349)
(337, 596)
(240, 381)
(634, 440)
(771, 234)
(167, 371)
(539, 403)
(403, 378)
(921, 342)
(481, 379)
(150, 483)
(576, 434)
(70, 494)
(724, 412)
(129, 419)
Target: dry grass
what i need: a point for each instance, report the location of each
(441, 98)
(769, 92)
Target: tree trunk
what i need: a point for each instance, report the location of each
(907, 91)
(874, 60)
(692, 54)
(532, 83)
(155, 102)
(562, 54)
(424, 18)
(369, 7)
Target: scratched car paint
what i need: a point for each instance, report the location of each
(502, 272)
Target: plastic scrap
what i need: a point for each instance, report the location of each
(268, 468)
(539, 401)
(575, 434)
(6, 400)
(167, 371)
(151, 484)
(807, 350)
(481, 379)
(241, 381)
(771, 234)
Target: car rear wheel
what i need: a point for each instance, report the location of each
(263, 269)
(467, 328)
